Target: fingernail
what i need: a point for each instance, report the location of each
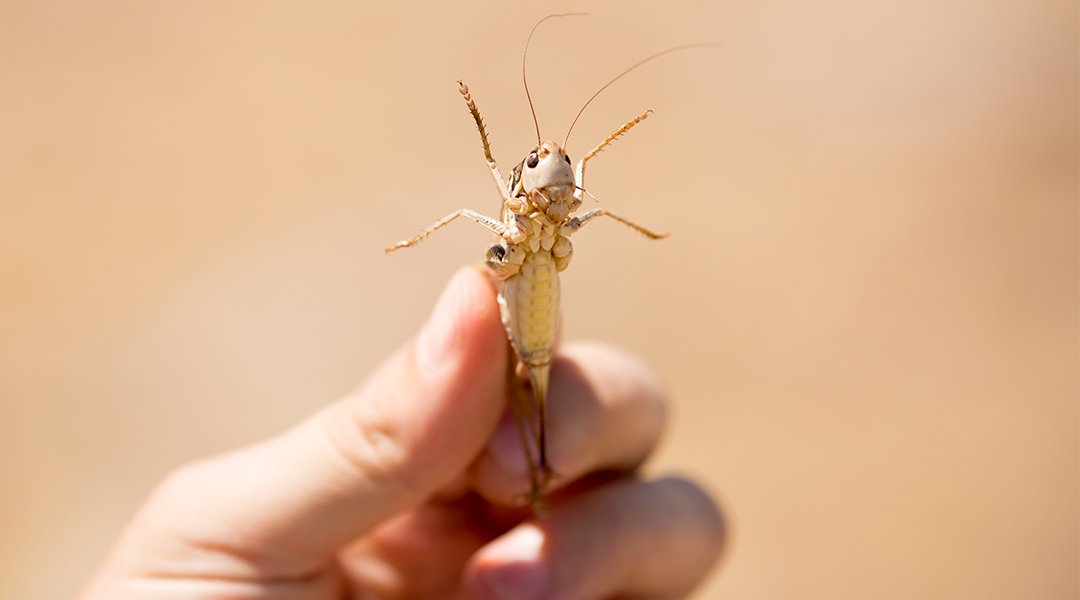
(440, 335)
(521, 573)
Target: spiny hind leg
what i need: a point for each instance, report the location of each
(529, 407)
(581, 220)
(538, 409)
(524, 417)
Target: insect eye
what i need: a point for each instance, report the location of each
(532, 161)
(567, 157)
(496, 253)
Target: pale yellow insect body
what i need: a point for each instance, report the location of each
(543, 195)
(533, 246)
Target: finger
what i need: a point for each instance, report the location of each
(605, 411)
(629, 539)
(421, 553)
(287, 504)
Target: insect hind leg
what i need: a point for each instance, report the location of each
(525, 416)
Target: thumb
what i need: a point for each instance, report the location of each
(415, 425)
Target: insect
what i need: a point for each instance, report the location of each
(533, 246)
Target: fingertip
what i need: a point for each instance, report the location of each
(511, 568)
(440, 399)
(465, 315)
(626, 539)
(708, 528)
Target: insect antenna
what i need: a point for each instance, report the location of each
(619, 76)
(586, 192)
(539, 142)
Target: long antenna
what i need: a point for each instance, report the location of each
(619, 76)
(524, 54)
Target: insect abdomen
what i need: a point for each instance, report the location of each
(530, 307)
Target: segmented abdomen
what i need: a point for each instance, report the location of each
(529, 302)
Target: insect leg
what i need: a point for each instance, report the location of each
(596, 150)
(509, 232)
(499, 182)
(579, 221)
(539, 376)
(525, 417)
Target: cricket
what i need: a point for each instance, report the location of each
(533, 246)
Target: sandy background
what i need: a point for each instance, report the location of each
(867, 311)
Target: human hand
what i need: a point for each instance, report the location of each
(411, 488)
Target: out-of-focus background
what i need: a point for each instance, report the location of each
(867, 311)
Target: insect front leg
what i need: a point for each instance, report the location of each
(579, 221)
(508, 231)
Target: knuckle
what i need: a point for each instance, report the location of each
(368, 445)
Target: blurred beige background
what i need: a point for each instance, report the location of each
(867, 312)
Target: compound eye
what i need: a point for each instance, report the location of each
(496, 253)
(568, 159)
(532, 161)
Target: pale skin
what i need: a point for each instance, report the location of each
(411, 487)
